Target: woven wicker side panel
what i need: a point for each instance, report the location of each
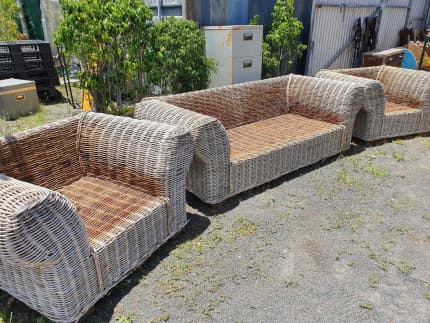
(326, 100)
(209, 175)
(397, 124)
(238, 104)
(368, 123)
(44, 156)
(151, 157)
(274, 163)
(123, 224)
(44, 253)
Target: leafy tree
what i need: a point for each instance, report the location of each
(178, 61)
(280, 46)
(8, 27)
(111, 39)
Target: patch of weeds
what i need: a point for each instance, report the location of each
(426, 217)
(376, 171)
(208, 310)
(342, 253)
(165, 316)
(373, 281)
(425, 141)
(355, 161)
(344, 177)
(171, 288)
(124, 318)
(399, 204)
(291, 284)
(243, 227)
(42, 319)
(402, 229)
(368, 306)
(399, 142)
(405, 267)
(399, 156)
(381, 262)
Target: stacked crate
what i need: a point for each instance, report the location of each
(30, 60)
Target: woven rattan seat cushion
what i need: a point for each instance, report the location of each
(391, 107)
(258, 138)
(108, 209)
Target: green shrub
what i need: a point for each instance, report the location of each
(8, 27)
(178, 61)
(110, 38)
(281, 45)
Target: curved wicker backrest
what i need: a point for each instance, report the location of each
(45, 156)
(406, 87)
(366, 72)
(239, 104)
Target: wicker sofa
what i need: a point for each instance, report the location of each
(397, 101)
(251, 133)
(83, 202)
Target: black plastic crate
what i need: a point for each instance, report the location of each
(51, 73)
(5, 58)
(7, 68)
(25, 46)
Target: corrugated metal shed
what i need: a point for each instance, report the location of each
(417, 14)
(332, 28)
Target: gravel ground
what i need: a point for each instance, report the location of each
(347, 240)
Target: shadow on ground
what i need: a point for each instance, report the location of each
(196, 226)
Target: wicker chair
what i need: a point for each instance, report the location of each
(251, 133)
(83, 202)
(397, 101)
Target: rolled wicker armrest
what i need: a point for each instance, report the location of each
(209, 174)
(327, 100)
(39, 228)
(370, 118)
(151, 156)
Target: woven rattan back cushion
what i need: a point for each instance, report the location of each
(239, 104)
(405, 87)
(310, 97)
(44, 156)
(118, 149)
(365, 72)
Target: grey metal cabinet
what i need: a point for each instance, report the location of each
(17, 98)
(238, 52)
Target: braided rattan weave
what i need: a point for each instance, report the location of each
(397, 101)
(251, 133)
(83, 202)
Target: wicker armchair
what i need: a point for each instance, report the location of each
(251, 133)
(397, 101)
(83, 202)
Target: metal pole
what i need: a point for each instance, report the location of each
(159, 10)
(310, 40)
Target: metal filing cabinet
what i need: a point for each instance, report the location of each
(238, 52)
(17, 98)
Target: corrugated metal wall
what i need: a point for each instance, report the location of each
(417, 15)
(332, 28)
(392, 21)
